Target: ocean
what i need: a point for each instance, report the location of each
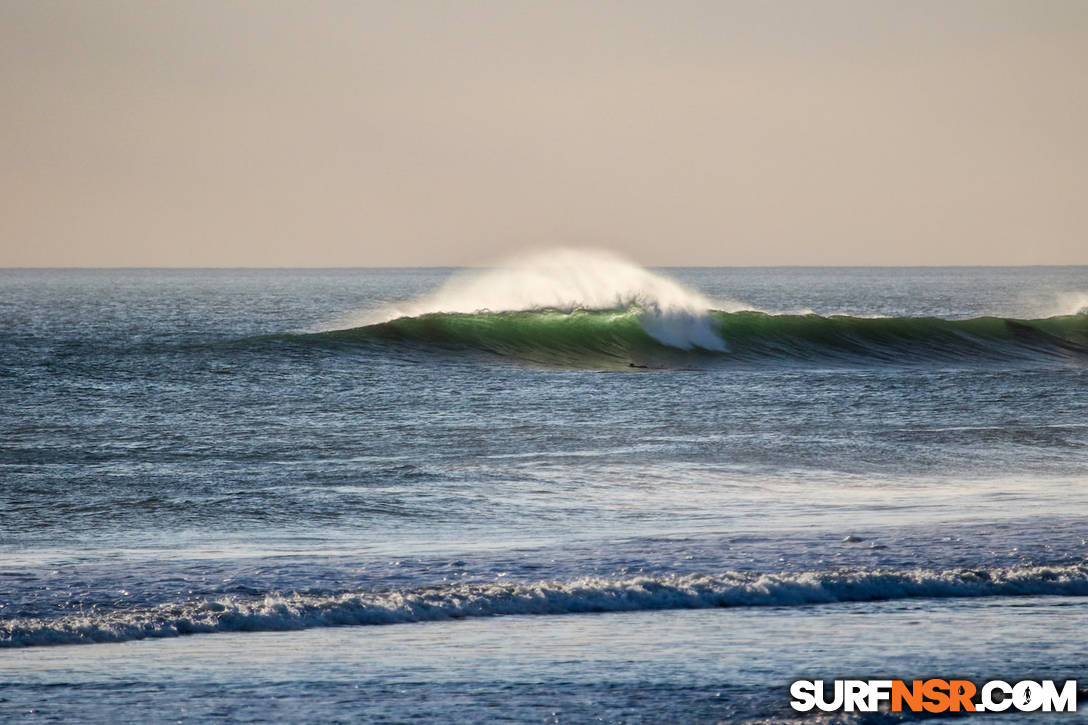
(569, 489)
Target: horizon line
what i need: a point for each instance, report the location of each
(485, 266)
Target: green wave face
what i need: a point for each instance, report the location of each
(905, 339)
(635, 337)
(581, 338)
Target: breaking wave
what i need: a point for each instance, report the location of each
(628, 336)
(693, 591)
(590, 309)
(565, 280)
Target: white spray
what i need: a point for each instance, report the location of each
(576, 279)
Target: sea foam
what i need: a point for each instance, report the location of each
(692, 591)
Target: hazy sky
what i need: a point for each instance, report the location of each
(329, 133)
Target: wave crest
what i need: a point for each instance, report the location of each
(593, 309)
(569, 280)
(693, 591)
(631, 336)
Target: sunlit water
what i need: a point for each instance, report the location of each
(210, 453)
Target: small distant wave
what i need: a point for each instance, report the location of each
(694, 591)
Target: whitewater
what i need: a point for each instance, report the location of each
(732, 589)
(561, 487)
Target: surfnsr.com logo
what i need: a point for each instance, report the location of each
(933, 695)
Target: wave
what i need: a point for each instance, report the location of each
(593, 309)
(569, 280)
(629, 336)
(693, 591)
